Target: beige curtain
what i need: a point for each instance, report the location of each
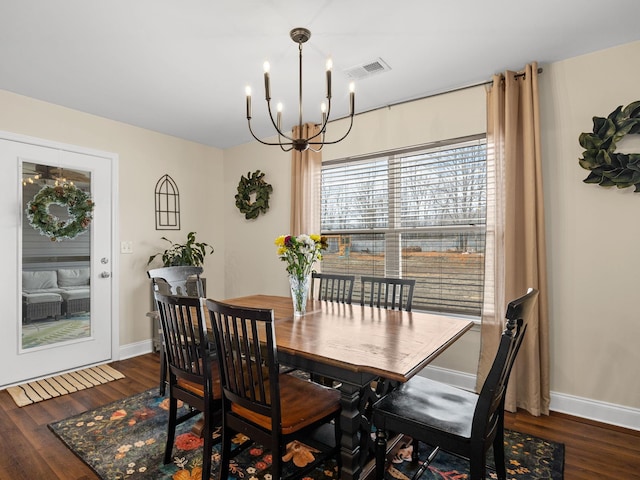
(516, 252)
(306, 168)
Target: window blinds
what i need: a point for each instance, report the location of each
(417, 213)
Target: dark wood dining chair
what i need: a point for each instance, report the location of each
(451, 419)
(180, 280)
(257, 400)
(193, 372)
(332, 287)
(387, 292)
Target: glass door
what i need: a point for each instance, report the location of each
(61, 215)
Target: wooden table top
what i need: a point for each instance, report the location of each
(388, 343)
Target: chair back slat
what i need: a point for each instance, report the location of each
(491, 397)
(332, 287)
(185, 340)
(247, 355)
(386, 292)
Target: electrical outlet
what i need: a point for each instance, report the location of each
(126, 247)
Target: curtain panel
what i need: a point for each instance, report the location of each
(516, 250)
(306, 168)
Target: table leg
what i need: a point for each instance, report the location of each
(350, 427)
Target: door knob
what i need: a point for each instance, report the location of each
(105, 274)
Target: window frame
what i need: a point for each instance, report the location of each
(393, 231)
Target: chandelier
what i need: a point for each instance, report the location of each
(314, 142)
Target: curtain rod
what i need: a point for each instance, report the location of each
(474, 85)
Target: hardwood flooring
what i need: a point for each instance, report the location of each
(29, 451)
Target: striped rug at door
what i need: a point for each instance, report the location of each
(51, 387)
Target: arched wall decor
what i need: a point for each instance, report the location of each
(167, 204)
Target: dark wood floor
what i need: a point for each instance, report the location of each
(29, 451)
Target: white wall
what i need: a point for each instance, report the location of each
(251, 264)
(592, 233)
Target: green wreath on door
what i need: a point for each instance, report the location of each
(78, 204)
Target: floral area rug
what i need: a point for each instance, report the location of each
(526, 457)
(125, 440)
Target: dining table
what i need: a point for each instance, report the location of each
(357, 346)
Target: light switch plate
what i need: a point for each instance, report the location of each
(126, 247)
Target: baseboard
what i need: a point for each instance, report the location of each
(560, 402)
(595, 410)
(134, 349)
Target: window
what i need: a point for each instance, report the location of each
(418, 213)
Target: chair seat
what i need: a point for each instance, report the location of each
(303, 403)
(423, 404)
(198, 389)
(456, 420)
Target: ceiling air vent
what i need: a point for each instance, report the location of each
(367, 69)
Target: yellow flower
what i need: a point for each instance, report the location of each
(196, 473)
(301, 252)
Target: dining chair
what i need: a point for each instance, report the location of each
(193, 373)
(179, 280)
(387, 292)
(257, 400)
(452, 419)
(332, 287)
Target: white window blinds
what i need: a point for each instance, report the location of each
(417, 213)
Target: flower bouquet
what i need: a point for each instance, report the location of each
(300, 253)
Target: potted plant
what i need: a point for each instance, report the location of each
(191, 253)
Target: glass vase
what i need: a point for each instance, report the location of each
(299, 292)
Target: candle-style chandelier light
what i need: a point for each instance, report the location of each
(316, 141)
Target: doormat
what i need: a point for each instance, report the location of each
(39, 390)
(125, 440)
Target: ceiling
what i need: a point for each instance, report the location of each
(181, 67)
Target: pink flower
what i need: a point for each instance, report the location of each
(188, 441)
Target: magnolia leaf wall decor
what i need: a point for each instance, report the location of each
(253, 184)
(608, 167)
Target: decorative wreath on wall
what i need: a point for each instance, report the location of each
(609, 168)
(79, 206)
(253, 184)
